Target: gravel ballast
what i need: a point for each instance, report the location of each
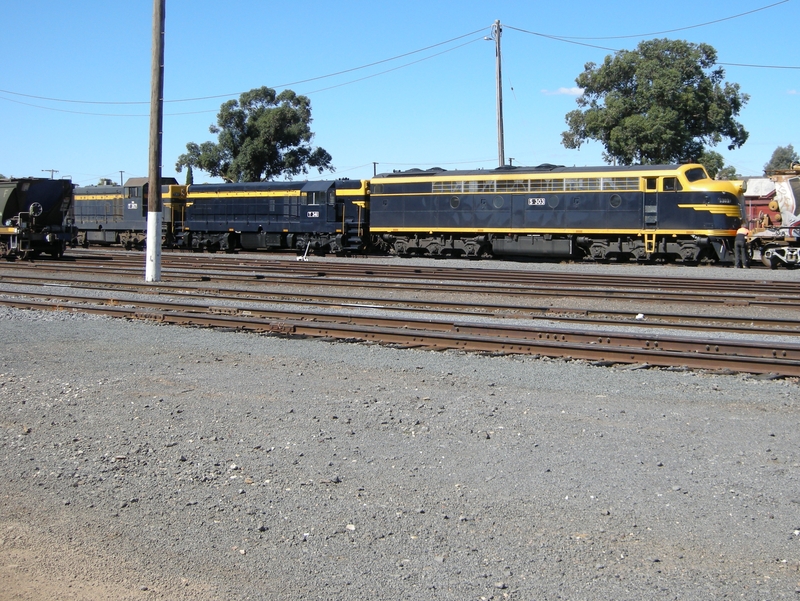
(156, 462)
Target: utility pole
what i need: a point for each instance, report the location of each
(374, 168)
(51, 171)
(496, 32)
(153, 258)
(120, 177)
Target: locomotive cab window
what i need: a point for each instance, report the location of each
(671, 184)
(316, 198)
(696, 174)
(651, 184)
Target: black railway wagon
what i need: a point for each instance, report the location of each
(306, 216)
(37, 217)
(643, 212)
(108, 215)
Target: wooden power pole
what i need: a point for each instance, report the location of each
(154, 218)
(496, 32)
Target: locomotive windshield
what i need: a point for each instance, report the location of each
(696, 174)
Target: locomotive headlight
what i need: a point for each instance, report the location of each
(8, 222)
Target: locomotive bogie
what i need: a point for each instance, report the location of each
(777, 255)
(433, 245)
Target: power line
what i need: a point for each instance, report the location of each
(565, 39)
(572, 41)
(644, 35)
(396, 68)
(757, 66)
(283, 85)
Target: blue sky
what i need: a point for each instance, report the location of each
(438, 111)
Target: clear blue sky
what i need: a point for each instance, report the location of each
(436, 112)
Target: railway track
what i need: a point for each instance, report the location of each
(234, 269)
(603, 347)
(592, 335)
(714, 323)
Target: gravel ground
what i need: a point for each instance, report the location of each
(156, 462)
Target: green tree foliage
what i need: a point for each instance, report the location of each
(728, 172)
(189, 176)
(782, 158)
(260, 137)
(661, 103)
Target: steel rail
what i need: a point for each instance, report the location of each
(653, 320)
(774, 300)
(664, 351)
(438, 272)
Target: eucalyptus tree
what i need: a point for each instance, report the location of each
(783, 157)
(261, 136)
(664, 102)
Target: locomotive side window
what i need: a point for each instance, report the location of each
(547, 185)
(671, 184)
(620, 183)
(447, 186)
(651, 184)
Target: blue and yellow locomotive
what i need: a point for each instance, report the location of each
(110, 214)
(307, 216)
(669, 212)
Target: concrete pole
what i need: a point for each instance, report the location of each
(153, 254)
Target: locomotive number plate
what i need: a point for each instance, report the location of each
(536, 202)
(312, 214)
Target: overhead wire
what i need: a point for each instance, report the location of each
(283, 85)
(566, 39)
(645, 35)
(574, 39)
